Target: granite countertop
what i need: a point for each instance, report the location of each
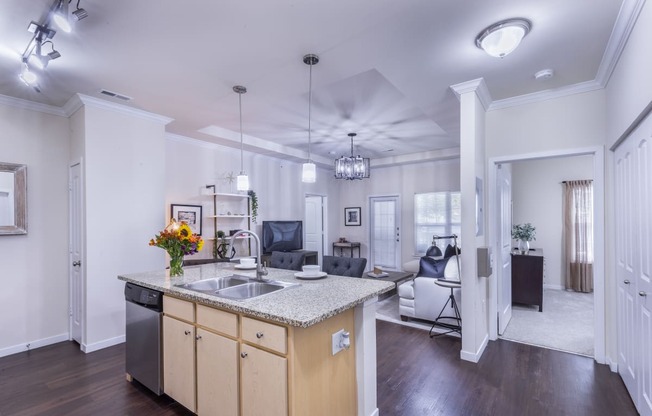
(302, 306)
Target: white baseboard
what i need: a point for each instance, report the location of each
(102, 344)
(553, 287)
(30, 345)
(612, 365)
(474, 357)
(375, 413)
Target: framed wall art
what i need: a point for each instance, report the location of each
(352, 216)
(191, 214)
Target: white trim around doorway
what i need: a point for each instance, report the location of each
(599, 235)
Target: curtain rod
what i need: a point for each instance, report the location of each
(590, 180)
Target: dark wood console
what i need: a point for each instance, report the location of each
(527, 278)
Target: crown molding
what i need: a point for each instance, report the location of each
(475, 85)
(627, 17)
(78, 100)
(31, 105)
(420, 157)
(541, 96)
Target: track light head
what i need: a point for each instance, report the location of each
(80, 14)
(60, 16)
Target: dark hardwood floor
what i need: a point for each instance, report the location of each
(416, 376)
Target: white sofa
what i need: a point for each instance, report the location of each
(421, 298)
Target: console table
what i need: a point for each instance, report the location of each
(311, 256)
(396, 277)
(527, 278)
(348, 245)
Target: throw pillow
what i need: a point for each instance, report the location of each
(450, 251)
(433, 251)
(429, 267)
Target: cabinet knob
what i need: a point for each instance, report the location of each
(626, 281)
(259, 335)
(76, 263)
(243, 354)
(186, 332)
(641, 293)
(198, 337)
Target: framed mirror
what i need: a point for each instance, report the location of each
(13, 199)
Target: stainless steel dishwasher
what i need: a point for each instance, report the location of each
(143, 336)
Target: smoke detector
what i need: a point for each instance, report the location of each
(544, 74)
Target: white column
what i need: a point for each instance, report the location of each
(365, 357)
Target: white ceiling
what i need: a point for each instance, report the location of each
(385, 66)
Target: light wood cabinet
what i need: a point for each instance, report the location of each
(179, 361)
(249, 366)
(263, 382)
(217, 374)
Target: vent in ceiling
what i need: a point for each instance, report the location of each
(116, 95)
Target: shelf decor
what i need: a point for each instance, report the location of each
(178, 240)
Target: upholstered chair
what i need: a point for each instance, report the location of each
(288, 261)
(344, 266)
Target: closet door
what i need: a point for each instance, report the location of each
(625, 275)
(633, 161)
(643, 192)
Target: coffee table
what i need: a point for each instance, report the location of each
(396, 277)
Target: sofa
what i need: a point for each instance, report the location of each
(421, 298)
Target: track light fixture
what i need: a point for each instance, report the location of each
(33, 57)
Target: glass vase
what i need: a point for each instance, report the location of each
(176, 265)
(524, 246)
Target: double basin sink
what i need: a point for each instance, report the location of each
(236, 287)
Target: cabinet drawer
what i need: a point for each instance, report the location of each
(218, 320)
(178, 308)
(265, 334)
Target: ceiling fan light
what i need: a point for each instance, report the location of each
(500, 39)
(309, 173)
(242, 182)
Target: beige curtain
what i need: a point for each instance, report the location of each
(578, 235)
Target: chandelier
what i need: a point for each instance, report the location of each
(352, 167)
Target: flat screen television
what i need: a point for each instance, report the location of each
(282, 236)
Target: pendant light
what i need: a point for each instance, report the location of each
(353, 167)
(242, 181)
(309, 173)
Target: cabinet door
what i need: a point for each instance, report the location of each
(179, 361)
(263, 383)
(217, 374)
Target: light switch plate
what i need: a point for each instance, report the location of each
(337, 341)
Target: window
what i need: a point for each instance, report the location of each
(435, 213)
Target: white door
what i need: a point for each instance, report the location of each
(385, 233)
(633, 185)
(76, 307)
(314, 225)
(504, 210)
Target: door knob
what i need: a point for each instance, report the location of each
(641, 293)
(626, 282)
(76, 263)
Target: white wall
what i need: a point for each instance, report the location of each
(124, 197)
(537, 198)
(277, 184)
(34, 295)
(402, 180)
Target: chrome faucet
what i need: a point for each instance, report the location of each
(260, 270)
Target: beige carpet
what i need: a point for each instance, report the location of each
(566, 323)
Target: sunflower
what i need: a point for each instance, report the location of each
(184, 230)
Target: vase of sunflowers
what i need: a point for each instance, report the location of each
(178, 240)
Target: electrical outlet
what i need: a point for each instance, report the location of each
(337, 341)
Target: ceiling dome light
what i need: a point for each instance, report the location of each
(502, 38)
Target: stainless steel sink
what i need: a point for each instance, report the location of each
(215, 284)
(236, 287)
(253, 289)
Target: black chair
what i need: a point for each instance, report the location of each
(344, 266)
(287, 261)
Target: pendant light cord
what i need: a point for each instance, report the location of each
(241, 145)
(309, 112)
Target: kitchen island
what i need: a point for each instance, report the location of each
(270, 354)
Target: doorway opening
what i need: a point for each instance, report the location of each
(384, 232)
(315, 219)
(575, 321)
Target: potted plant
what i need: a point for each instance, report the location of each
(254, 205)
(524, 233)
